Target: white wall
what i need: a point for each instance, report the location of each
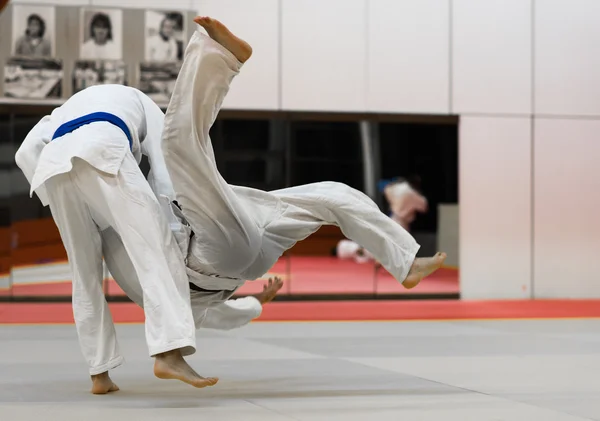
(257, 22)
(495, 207)
(507, 52)
(408, 56)
(492, 80)
(567, 63)
(323, 55)
(567, 200)
(491, 56)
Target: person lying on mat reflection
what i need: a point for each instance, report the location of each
(404, 202)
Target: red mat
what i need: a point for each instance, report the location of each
(305, 275)
(29, 313)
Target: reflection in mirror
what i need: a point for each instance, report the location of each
(6, 154)
(39, 263)
(327, 264)
(418, 189)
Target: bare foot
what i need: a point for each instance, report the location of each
(219, 32)
(102, 384)
(270, 290)
(171, 366)
(423, 267)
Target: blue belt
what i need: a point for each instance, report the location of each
(73, 125)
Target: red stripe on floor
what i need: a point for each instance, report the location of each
(11, 313)
(303, 275)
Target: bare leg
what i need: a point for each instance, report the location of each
(423, 267)
(103, 384)
(219, 32)
(171, 366)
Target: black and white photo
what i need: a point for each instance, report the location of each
(101, 34)
(33, 78)
(157, 80)
(33, 31)
(98, 72)
(165, 36)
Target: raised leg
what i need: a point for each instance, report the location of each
(229, 236)
(359, 218)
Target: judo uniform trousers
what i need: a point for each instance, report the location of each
(404, 203)
(239, 232)
(91, 180)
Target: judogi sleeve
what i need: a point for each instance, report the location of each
(158, 178)
(231, 314)
(28, 156)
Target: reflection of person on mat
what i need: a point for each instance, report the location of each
(239, 232)
(404, 202)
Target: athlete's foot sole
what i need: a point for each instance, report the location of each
(423, 267)
(220, 33)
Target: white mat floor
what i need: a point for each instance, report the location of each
(463, 371)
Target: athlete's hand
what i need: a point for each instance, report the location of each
(270, 290)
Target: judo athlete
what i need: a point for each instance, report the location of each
(232, 233)
(82, 161)
(404, 202)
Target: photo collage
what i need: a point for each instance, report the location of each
(34, 70)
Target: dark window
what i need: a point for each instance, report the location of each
(326, 151)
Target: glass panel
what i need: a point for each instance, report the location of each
(425, 158)
(6, 154)
(39, 260)
(320, 266)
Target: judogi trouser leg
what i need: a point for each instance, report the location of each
(231, 314)
(329, 203)
(229, 236)
(81, 238)
(126, 203)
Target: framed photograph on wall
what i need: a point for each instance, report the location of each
(101, 34)
(157, 80)
(98, 72)
(33, 31)
(33, 78)
(165, 36)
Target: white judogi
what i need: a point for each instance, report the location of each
(239, 232)
(91, 180)
(404, 202)
(209, 309)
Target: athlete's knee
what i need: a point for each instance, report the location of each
(343, 193)
(336, 186)
(337, 189)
